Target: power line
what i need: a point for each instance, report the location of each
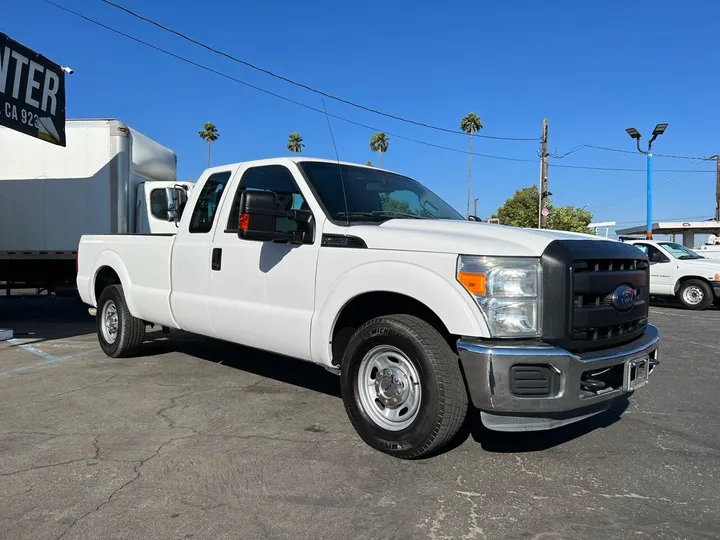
(299, 84)
(684, 173)
(320, 111)
(619, 150)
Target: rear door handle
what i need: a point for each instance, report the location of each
(216, 259)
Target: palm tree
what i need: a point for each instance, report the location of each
(470, 124)
(295, 143)
(210, 134)
(379, 143)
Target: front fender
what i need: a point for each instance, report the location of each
(447, 300)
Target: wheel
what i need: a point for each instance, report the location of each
(695, 294)
(402, 386)
(119, 333)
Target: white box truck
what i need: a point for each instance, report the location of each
(109, 179)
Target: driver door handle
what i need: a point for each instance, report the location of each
(216, 259)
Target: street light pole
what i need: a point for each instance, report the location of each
(635, 134)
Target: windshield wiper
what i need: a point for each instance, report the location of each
(378, 213)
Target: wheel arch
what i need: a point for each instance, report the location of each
(110, 270)
(382, 288)
(684, 279)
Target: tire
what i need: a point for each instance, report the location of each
(694, 294)
(129, 331)
(414, 351)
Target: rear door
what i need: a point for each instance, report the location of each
(262, 294)
(191, 256)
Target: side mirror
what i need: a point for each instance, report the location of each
(176, 197)
(473, 218)
(171, 196)
(259, 220)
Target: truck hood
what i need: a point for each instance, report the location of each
(709, 266)
(466, 237)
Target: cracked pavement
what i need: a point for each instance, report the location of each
(200, 439)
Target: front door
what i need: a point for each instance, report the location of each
(262, 294)
(662, 268)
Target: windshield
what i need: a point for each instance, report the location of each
(372, 195)
(679, 251)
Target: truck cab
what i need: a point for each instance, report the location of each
(678, 271)
(155, 202)
(372, 276)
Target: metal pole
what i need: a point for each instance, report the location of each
(649, 196)
(717, 189)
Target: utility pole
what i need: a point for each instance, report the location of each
(717, 189)
(717, 185)
(542, 219)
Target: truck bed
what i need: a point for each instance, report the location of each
(142, 263)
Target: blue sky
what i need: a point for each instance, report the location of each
(592, 70)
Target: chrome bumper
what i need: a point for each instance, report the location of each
(493, 371)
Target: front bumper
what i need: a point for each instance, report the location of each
(716, 288)
(502, 379)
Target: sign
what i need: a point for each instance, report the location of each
(545, 211)
(32, 93)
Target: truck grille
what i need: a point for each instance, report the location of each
(594, 318)
(579, 279)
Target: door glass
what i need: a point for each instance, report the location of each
(277, 179)
(207, 202)
(158, 204)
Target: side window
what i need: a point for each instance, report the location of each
(275, 178)
(207, 202)
(158, 204)
(653, 253)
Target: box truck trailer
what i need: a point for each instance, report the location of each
(109, 179)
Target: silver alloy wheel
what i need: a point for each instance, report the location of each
(388, 386)
(109, 322)
(693, 295)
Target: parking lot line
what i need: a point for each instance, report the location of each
(47, 357)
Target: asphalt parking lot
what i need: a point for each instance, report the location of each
(206, 440)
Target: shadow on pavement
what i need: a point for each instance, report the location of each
(502, 442)
(45, 318)
(264, 364)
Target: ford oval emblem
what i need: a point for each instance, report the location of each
(624, 297)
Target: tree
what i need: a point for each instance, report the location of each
(394, 205)
(470, 125)
(210, 134)
(369, 163)
(295, 143)
(569, 218)
(521, 210)
(379, 143)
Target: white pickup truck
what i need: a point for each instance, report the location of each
(372, 276)
(681, 272)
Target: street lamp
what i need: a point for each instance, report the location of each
(635, 134)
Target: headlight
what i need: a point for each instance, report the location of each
(508, 292)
